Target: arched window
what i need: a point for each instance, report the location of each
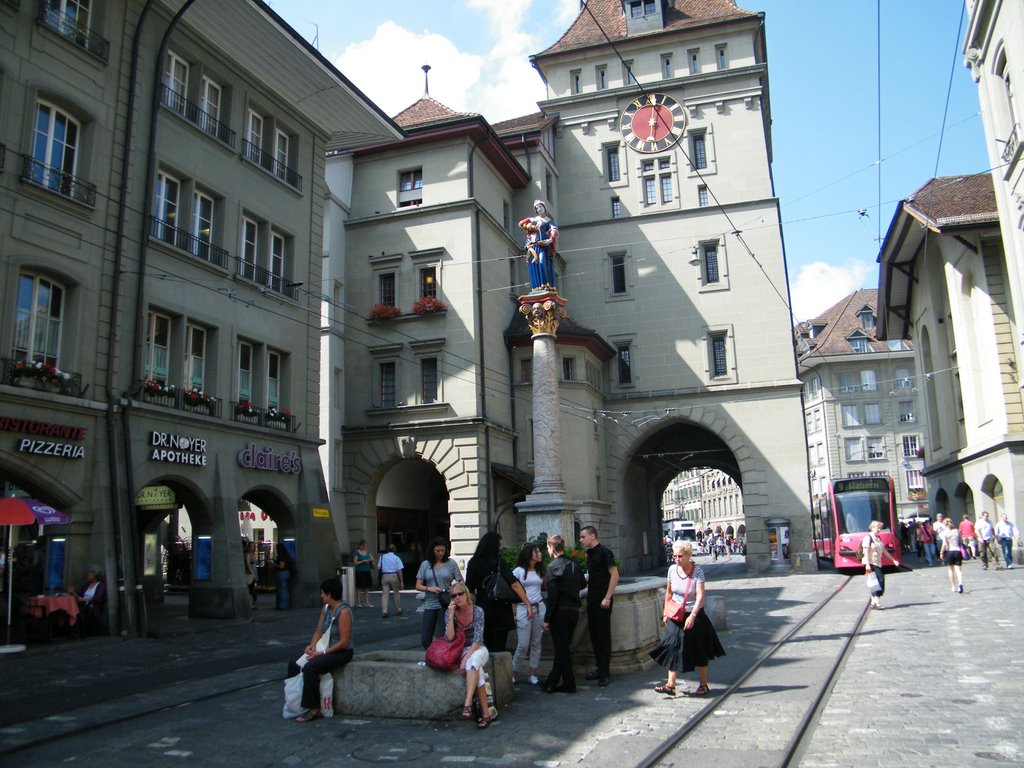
(38, 316)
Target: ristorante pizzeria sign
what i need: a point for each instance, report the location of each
(42, 437)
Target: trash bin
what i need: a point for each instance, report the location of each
(778, 543)
(348, 582)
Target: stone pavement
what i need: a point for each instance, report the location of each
(931, 682)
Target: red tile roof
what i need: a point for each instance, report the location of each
(948, 201)
(840, 323)
(426, 111)
(524, 124)
(679, 14)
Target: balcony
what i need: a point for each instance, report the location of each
(186, 241)
(245, 412)
(42, 377)
(68, 27)
(56, 180)
(187, 400)
(267, 279)
(204, 121)
(271, 164)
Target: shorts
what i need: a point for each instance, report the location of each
(952, 558)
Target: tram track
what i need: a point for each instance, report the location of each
(800, 669)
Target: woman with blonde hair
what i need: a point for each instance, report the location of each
(463, 614)
(874, 550)
(951, 553)
(690, 640)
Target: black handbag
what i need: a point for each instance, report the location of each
(444, 597)
(496, 588)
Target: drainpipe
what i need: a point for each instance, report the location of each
(478, 329)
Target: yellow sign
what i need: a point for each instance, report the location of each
(321, 512)
(156, 497)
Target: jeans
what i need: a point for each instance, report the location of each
(929, 552)
(432, 626)
(600, 625)
(529, 632)
(1006, 544)
(284, 600)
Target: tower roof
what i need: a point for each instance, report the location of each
(426, 111)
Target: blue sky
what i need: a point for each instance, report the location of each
(823, 75)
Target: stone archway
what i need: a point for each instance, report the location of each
(411, 509)
(166, 551)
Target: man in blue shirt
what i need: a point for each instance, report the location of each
(391, 581)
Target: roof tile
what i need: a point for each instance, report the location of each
(426, 111)
(955, 200)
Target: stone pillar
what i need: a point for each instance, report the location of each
(546, 508)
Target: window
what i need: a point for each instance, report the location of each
(158, 342)
(250, 239)
(618, 274)
(616, 208)
(278, 247)
(281, 146)
(386, 285)
(569, 369)
(387, 385)
(54, 149)
(812, 388)
(428, 380)
(202, 225)
(525, 370)
(868, 382)
(854, 449)
(872, 413)
(910, 445)
(548, 185)
(903, 380)
(847, 382)
(165, 208)
(640, 8)
(209, 104)
(274, 366)
(851, 416)
(574, 81)
(719, 364)
(915, 480)
(657, 180)
(176, 82)
(650, 197)
(906, 410)
(867, 319)
(876, 447)
(428, 281)
(68, 17)
(627, 73)
(1002, 71)
(410, 188)
(195, 356)
(666, 65)
(720, 57)
(612, 163)
(623, 354)
(601, 76)
(693, 57)
(666, 188)
(698, 151)
(709, 258)
(506, 216)
(859, 344)
(253, 144)
(895, 345)
(817, 419)
(38, 320)
(702, 196)
(244, 370)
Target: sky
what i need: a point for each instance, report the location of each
(839, 169)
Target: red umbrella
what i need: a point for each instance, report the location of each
(16, 511)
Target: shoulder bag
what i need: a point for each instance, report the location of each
(445, 655)
(444, 597)
(498, 589)
(680, 613)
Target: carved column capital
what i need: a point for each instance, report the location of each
(543, 310)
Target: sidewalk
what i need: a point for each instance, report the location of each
(894, 700)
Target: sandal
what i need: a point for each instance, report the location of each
(700, 690)
(666, 689)
(309, 716)
(483, 722)
(467, 713)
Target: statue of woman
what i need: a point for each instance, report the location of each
(541, 245)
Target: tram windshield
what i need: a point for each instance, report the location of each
(856, 509)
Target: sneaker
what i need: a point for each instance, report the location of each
(533, 680)
(952, 589)
(1009, 567)
(595, 675)
(960, 589)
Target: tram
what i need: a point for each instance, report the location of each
(842, 516)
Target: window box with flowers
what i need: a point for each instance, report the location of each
(196, 399)
(245, 410)
(384, 312)
(39, 375)
(278, 417)
(428, 305)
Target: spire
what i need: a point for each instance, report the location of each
(426, 80)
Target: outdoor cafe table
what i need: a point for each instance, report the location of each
(51, 603)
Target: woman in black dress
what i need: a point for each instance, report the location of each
(499, 618)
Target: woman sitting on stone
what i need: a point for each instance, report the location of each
(462, 614)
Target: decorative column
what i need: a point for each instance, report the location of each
(546, 508)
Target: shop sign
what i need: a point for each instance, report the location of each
(269, 460)
(177, 449)
(38, 445)
(156, 497)
(321, 512)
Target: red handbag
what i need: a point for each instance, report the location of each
(680, 612)
(445, 655)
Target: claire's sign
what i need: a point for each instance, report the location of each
(269, 460)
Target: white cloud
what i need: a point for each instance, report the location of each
(820, 285)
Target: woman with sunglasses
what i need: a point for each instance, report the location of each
(691, 642)
(462, 614)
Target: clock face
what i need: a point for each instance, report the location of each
(652, 123)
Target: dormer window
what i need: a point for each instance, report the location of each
(859, 344)
(640, 8)
(867, 319)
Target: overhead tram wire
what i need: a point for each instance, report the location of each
(949, 86)
(878, 101)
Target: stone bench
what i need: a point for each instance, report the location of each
(392, 684)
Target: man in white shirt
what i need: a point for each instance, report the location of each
(986, 534)
(391, 581)
(1006, 532)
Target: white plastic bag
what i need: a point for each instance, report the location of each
(293, 698)
(327, 695)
